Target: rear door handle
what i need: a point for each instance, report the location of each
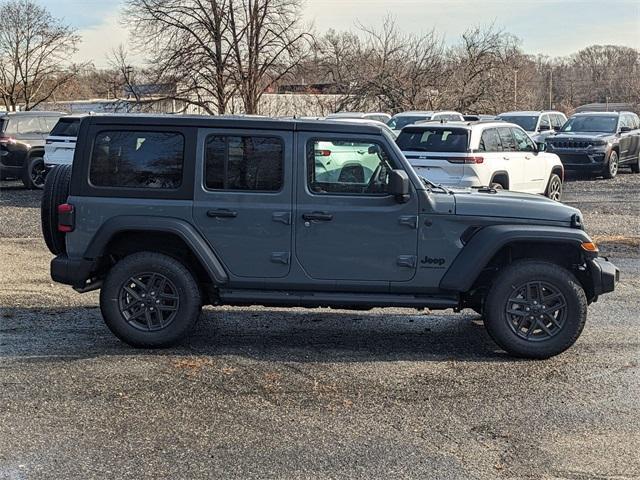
(222, 213)
(505, 158)
(317, 216)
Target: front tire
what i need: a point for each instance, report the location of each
(150, 300)
(611, 169)
(535, 309)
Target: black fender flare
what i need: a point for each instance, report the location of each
(176, 226)
(477, 253)
(500, 172)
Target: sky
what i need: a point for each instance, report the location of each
(549, 27)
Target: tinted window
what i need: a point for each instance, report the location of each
(396, 123)
(506, 138)
(523, 142)
(352, 167)
(527, 122)
(434, 140)
(24, 125)
(591, 123)
(244, 163)
(490, 141)
(66, 127)
(635, 122)
(137, 159)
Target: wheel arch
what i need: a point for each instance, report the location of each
(501, 174)
(127, 234)
(491, 246)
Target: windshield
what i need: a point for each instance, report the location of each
(527, 122)
(66, 127)
(397, 123)
(434, 140)
(595, 123)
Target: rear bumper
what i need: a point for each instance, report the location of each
(75, 272)
(604, 275)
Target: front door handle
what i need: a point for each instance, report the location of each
(505, 158)
(222, 213)
(317, 216)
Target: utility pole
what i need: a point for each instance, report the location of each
(551, 88)
(515, 89)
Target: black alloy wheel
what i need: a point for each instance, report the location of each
(148, 301)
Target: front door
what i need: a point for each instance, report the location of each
(242, 200)
(534, 175)
(347, 227)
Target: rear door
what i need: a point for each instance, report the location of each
(514, 159)
(242, 199)
(627, 149)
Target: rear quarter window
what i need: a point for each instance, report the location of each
(143, 159)
(66, 127)
(434, 140)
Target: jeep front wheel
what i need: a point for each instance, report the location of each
(150, 300)
(535, 309)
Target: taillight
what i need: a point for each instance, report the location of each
(474, 160)
(323, 153)
(66, 218)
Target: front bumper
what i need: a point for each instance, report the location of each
(582, 160)
(604, 275)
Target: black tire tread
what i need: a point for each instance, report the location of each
(501, 333)
(187, 317)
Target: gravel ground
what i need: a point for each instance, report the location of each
(294, 393)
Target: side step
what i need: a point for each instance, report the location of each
(334, 299)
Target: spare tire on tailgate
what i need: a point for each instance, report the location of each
(56, 191)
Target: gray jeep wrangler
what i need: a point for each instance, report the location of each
(167, 213)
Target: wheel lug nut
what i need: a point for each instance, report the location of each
(157, 301)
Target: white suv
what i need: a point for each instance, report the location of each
(61, 142)
(496, 154)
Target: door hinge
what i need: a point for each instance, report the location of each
(281, 217)
(407, 261)
(409, 220)
(280, 257)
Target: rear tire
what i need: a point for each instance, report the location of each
(611, 168)
(496, 186)
(535, 309)
(150, 300)
(56, 191)
(34, 174)
(554, 188)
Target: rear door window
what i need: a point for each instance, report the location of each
(434, 140)
(244, 163)
(507, 140)
(490, 141)
(141, 159)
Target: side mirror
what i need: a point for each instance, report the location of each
(399, 185)
(544, 128)
(557, 128)
(542, 146)
(625, 129)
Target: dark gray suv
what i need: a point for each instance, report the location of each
(22, 140)
(167, 213)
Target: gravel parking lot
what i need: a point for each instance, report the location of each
(294, 393)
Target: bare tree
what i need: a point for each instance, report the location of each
(34, 52)
(268, 44)
(191, 45)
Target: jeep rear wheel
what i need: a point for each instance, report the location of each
(150, 300)
(56, 191)
(535, 309)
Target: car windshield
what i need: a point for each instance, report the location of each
(397, 123)
(434, 140)
(66, 127)
(593, 123)
(527, 122)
